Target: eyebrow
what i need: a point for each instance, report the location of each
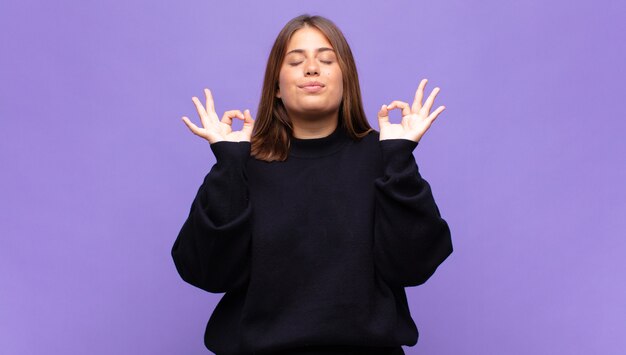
(301, 51)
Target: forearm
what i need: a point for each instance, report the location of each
(411, 238)
(212, 248)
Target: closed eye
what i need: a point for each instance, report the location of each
(323, 61)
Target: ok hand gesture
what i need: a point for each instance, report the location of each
(215, 130)
(415, 119)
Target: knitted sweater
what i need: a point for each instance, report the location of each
(315, 250)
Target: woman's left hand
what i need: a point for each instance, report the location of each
(415, 119)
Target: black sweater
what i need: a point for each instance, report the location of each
(315, 250)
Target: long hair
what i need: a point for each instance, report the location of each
(271, 137)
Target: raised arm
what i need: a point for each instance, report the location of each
(212, 250)
(410, 238)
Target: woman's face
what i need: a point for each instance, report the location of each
(310, 80)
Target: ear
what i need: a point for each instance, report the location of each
(278, 93)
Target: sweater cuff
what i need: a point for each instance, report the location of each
(397, 153)
(231, 153)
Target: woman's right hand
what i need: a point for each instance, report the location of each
(215, 130)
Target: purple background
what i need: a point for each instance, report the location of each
(99, 171)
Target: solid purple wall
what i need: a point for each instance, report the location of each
(526, 164)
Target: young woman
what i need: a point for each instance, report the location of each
(310, 221)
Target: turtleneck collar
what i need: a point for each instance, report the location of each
(319, 147)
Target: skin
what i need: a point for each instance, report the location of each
(416, 119)
(315, 115)
(214, 130)
(310, 57)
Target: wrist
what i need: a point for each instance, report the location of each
(231, 151)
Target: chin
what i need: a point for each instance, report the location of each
(317, 103)
(312, 107)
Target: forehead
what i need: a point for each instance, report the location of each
(308, 39)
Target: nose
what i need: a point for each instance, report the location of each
(311, 68)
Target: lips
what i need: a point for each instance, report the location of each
(312, 87)
(312, 84)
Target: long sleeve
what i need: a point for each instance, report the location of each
(410, 238)
(212, 250)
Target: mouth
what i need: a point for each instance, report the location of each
(312, 87)
(312, 84)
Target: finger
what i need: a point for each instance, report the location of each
(419, 95)
(248, 125)
(247, 118)
(433, 116)
(431, 99)
(204, 117)
(406, 110)
(192, 127)
(210, 105)
(229, 115)
(383, 114)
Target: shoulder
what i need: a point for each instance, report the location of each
(373, 133)
(369, 145)
(372, 137)
(372, 140)
(364, 155)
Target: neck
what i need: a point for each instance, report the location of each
(314, 127)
